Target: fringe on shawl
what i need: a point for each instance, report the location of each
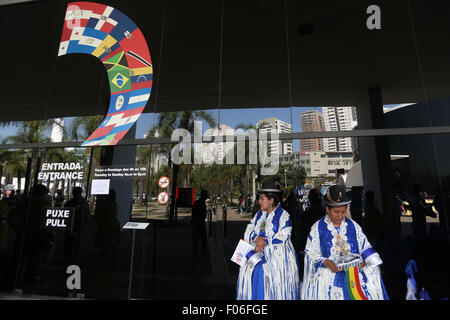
(281, 270)
(316, 281)
(244, 287)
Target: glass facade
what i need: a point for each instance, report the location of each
(306, 95)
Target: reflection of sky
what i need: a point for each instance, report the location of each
(230, 117)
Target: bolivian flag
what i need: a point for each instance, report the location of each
(353, 285)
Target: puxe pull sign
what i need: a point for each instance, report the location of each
(108, 34)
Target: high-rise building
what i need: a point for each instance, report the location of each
(338, 119)
(311, 121)
(274, 125)
(57, 130)
(215, 151)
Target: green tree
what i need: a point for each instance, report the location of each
(167, 123)
(31, 132)
(79, 130)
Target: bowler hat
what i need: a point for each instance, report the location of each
(336, 196)
(270, 187)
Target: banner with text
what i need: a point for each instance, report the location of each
(120, 172)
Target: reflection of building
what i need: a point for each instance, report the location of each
(217, 151)
(338, 119)
(57, 130)
(311, 121)
(428, 154)
(319, 163)
(274, 125)
(159, 161)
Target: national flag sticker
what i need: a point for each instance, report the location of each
(119, 80)
(119, 102)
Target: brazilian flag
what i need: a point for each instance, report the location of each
(118, 73)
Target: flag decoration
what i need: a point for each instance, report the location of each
(108, 34)
(353, 285)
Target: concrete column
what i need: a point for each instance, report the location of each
(121, 155)
(375, 158)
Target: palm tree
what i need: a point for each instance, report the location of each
(32, 132)
(167, 123)
(16, 166)
(80, 129)
(4, 158)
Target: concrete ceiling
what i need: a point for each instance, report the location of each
(333, 65)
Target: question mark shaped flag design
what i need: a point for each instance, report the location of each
(112, 37)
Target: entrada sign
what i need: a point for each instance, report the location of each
(61, 171)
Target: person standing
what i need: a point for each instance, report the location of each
(37, 238)
(314, 212)
(419, 216)
(275, 276)
(59, 199)
(340, 263)
(372, 223)
(107, 235)
(256, 207)
(356, 206)
(4, 211)
(241, 204)
(81, 214)
(198, 225)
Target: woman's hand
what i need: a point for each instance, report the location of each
(330, 265)
(362, 264)
(260, 243)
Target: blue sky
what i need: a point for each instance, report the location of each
(230, 117)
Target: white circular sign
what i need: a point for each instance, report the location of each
(163, 197)
(163, 182)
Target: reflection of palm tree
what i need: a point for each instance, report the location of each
(143, 157)
(80, 129)
(16, 166)
(31, 132)
(167, 123)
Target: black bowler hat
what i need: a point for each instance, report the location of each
(270, 187)
(337, 196)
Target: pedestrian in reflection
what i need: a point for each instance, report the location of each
(419, 219)
(198, 225)
(356, 206)
(107, 235)
(314, 212)
(73, 237)
(293, 206)
(372, 222)
(248, 204)
(37, 237)
(4, 211)
(59, 199)
(10, 199)
(256, 207)
(241, 204)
